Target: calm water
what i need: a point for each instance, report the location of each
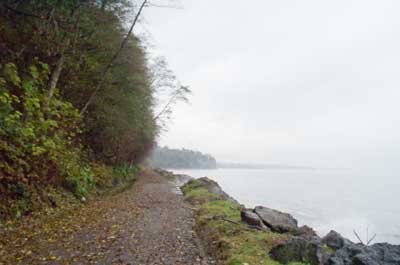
(322, 199)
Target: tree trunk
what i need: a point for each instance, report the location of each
(55, 76)
(109, 65)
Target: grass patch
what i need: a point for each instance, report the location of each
(221, 208)
(251, 247)
(191, 186)
(200, 195)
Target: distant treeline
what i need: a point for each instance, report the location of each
(164, 157)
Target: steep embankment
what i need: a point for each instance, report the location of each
(146, 224)
(77, 99)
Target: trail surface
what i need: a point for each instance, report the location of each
(146, 224)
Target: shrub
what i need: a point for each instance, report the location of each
(124, 172)
(38, 139)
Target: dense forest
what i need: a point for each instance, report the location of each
(164, 157)
(77, 93)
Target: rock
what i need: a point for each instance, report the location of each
(276, 220)
(305, 231)
(345, 255)
(357, 254)
(335, 240)
(213, 187)
(252, 219)
(299, 249)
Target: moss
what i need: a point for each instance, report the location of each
(219, 224)
(329, 250)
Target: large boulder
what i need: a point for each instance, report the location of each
(345, 255)
(253, 220)
(299, 249)
(276, 220)
(357, 254)
(335, 240)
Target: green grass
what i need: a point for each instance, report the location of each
(218, 222)
(191, 186)
(200, 195)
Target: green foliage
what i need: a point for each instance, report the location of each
(44, 138)
(37, 143)
(119, 126)
(124, 172)
(103, 175)
(81, 182)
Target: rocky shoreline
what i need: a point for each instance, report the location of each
(301, 245)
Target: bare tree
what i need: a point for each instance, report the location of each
(166, 85)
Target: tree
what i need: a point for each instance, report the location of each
(168, 87)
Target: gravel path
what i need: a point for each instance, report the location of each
(146, 224)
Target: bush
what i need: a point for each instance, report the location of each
(124, 172)
(38, 139)
(81, 183)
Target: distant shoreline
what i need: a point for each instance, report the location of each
(248, 168)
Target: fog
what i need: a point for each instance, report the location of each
(309, 82)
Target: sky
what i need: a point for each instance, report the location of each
(308, 82)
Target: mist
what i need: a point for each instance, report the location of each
(311, 83)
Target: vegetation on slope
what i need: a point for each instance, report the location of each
(76, 98)
(219, 224)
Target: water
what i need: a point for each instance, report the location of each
(323, 199)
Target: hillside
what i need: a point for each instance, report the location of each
(77, 93)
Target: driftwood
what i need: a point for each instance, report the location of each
(368, 240)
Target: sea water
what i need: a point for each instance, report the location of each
(323, 199)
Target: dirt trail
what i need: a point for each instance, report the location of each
(146, 224)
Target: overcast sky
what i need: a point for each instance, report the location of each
(307, 82)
